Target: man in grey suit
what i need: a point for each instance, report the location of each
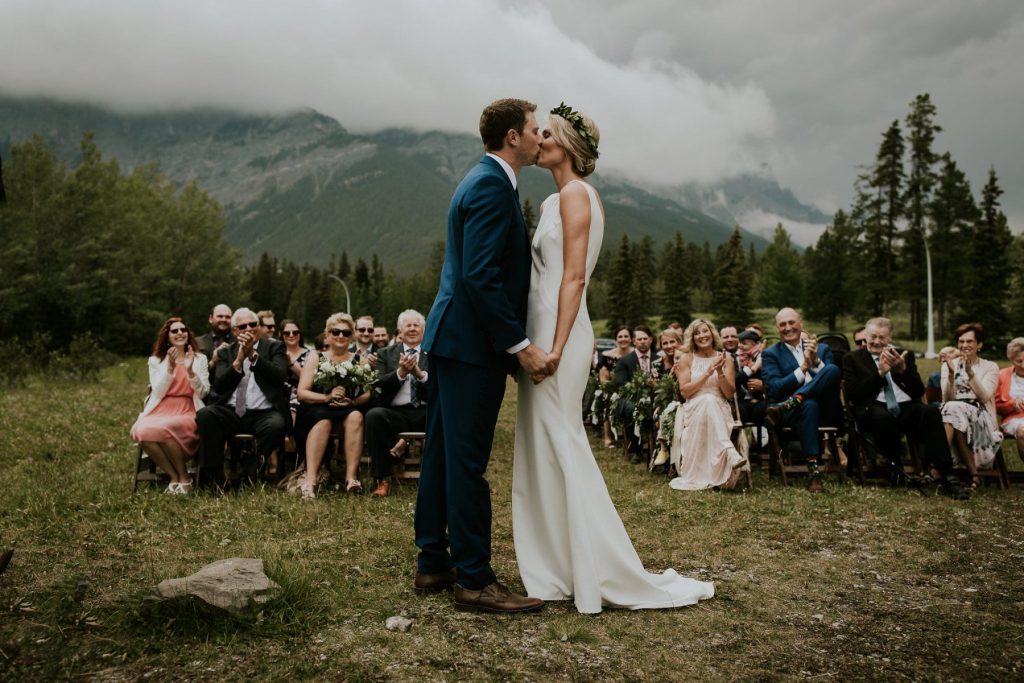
(401, 405)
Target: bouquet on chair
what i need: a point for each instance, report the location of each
(354, 377)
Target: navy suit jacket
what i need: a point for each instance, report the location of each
(480, 309)
(777, 367)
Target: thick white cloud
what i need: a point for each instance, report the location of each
(694, 90)
(372, 65)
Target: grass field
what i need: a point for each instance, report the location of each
(861, 583)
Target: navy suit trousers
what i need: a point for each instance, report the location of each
(453, 506)
(820, 406)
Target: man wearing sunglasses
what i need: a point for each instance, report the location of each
(251, 399)
(363, 339)
(268, 326)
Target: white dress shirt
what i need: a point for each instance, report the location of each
(404, 395)
(798, 353)
(901, 396)
(515, 185)
(255, 399)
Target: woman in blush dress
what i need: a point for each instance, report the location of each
(1010, 394)
(178, 382)
(968, 402)
(702, 450)
(570, 542)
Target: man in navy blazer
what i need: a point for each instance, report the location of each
(475, 335)
(802, 383)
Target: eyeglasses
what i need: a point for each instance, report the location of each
(364, 329)
(271, 326)
(178, 330)
(247, 326)
(340, 332)
(290, 333)
(860, 342)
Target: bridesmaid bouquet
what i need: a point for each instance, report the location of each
(355, 378)
(604, 398)
(640, 393)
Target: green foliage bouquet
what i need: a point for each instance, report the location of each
(604, 399)
(640, 393)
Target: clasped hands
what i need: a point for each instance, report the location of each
(336, 398)
(407, 365)
(538, 363)
(890, 360)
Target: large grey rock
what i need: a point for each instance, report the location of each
(233, 585)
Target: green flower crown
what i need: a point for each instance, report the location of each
(576, 119)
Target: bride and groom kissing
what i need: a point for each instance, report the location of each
(506, 306)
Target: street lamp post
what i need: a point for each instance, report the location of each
(348, 300)
(930, 352)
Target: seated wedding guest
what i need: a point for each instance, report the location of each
(380, 338)
(756, 327)
(670, 340)
(320, 343)
(295, 348)
(934, 385)
(730, 339)
(251, 399)
(968, 402)
(219, 337)
(318, 412)
(802, 386)
(401, 405)
(702, 451)
(362, 342)
(178, 381)
(268, 327)
(640, 358)
(606, 369)
(884, 388)
(749, 383)
(860, 338)
(1010, 394)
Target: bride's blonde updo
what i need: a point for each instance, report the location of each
(582, 151)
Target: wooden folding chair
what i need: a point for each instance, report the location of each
(408, 468)
(787, 464)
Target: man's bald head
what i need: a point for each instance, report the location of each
(789, 325)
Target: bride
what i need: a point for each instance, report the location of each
(569, 540)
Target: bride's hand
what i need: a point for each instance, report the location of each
(554, 358)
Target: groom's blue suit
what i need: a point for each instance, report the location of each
(479, 312)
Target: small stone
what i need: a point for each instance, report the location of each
(400, 624)
(819, 617)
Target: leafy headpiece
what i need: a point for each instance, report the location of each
(576, 120)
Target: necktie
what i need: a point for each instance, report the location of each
(890, 394)
(414, 384)
(242, 392)
(645, 363)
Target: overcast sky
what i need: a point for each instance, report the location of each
(692, 90)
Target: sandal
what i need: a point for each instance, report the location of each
(307, 491)
(975, 483)
(353, 486)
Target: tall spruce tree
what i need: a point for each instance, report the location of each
(988, 266)
(833, 271)
(778, 280)
(953, 212)
(677, 279)
(730, 287)
(620, 291)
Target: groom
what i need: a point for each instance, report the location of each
(476, 336)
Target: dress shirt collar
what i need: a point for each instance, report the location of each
(508, 169)
(406, 348)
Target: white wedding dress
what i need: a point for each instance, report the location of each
(569, 539)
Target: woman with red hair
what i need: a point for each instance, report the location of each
(178, 381)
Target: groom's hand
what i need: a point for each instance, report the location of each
(534, 360)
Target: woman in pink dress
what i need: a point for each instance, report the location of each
(178, 381)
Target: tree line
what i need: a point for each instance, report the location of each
(96, 250)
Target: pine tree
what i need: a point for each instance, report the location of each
(731, 283)
(529, 217)
(620, 294)
(833, 271)
(988, 265)
(778, 281)
(677, 278)
(953, 212)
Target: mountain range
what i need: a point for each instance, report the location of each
(301, 186)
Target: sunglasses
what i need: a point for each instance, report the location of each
(270, 327)
(247, 326)
(364, 329)
(336, 332)
(290, 333)
(178, 330)
(861, 342)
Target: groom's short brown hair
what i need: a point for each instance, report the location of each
(501, 116)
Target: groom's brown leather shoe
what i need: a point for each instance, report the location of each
(495, 599)
(434, 583)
